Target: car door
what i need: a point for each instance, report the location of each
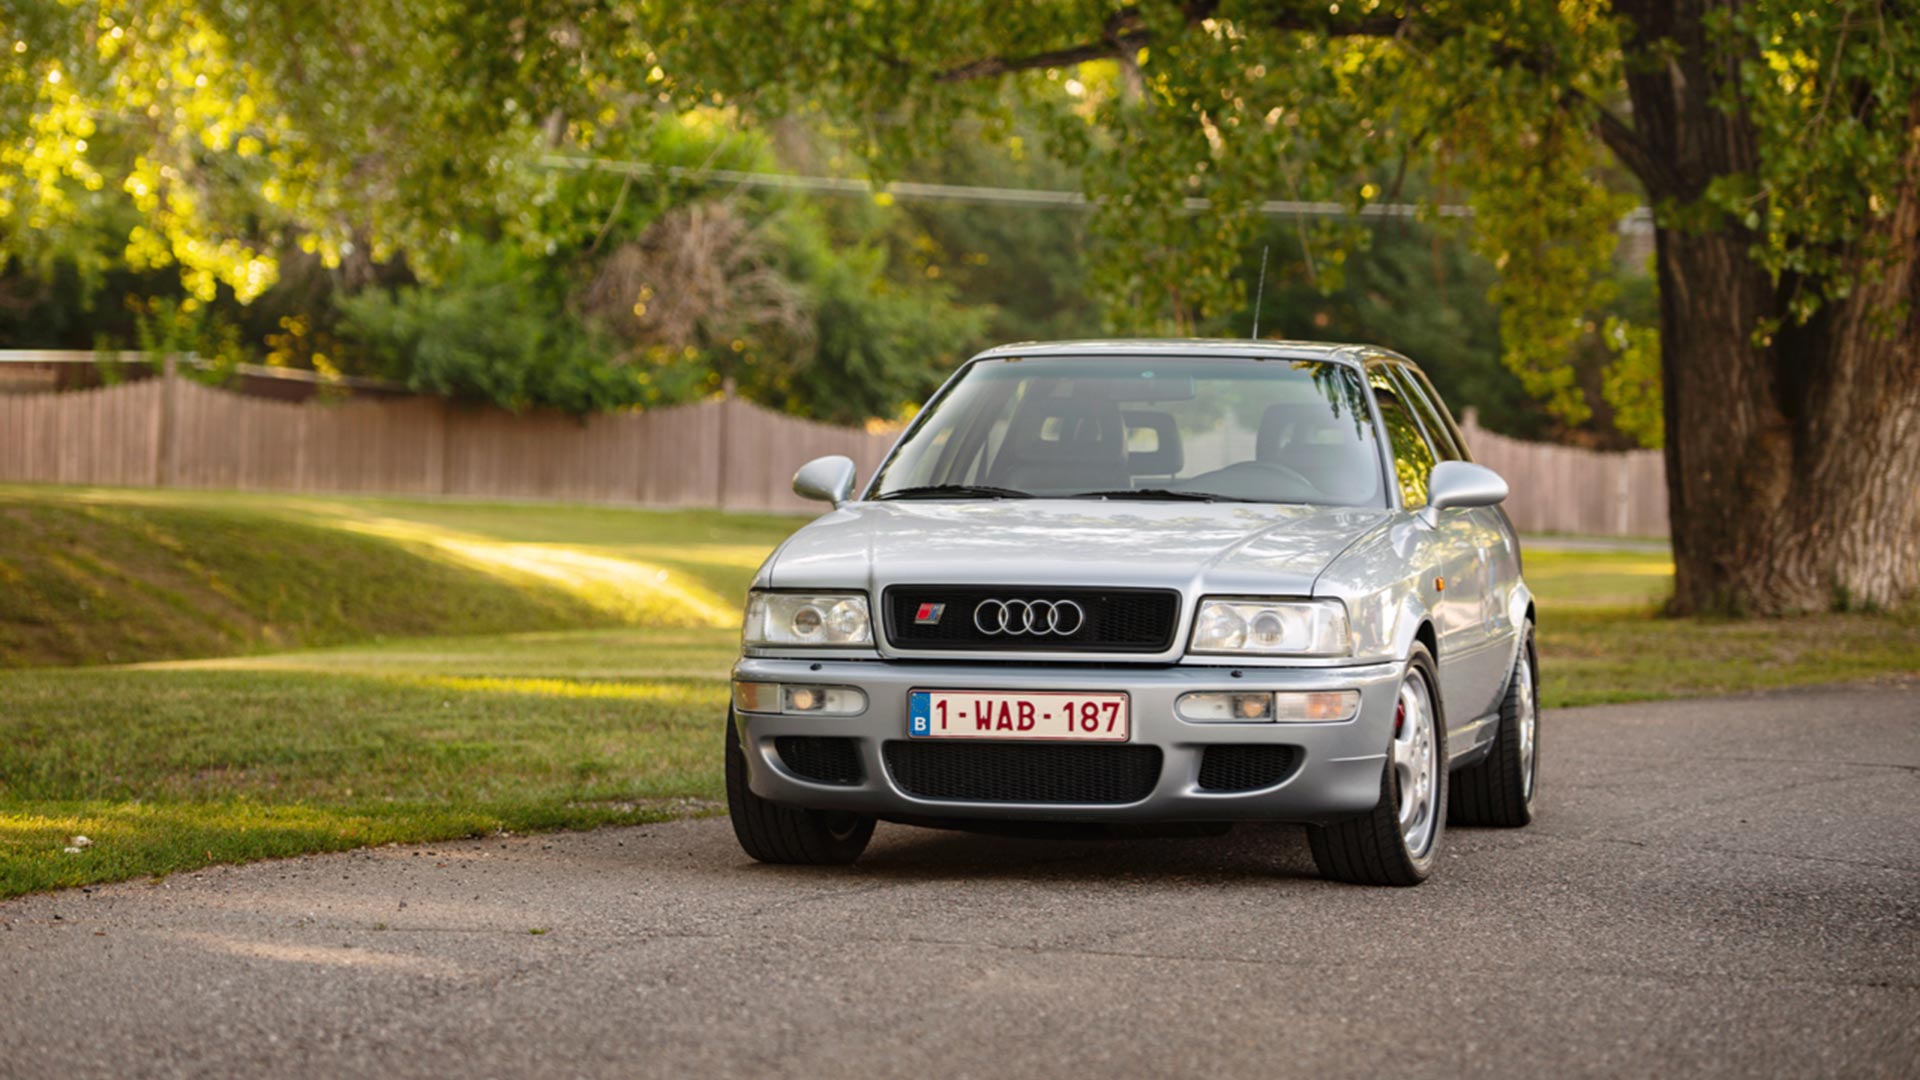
(1444, 557)
(1490, 578)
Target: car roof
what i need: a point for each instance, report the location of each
(1197, 349)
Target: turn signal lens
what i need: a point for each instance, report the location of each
(1317, 707)
(803, 699)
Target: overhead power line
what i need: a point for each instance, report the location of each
(1639, 221)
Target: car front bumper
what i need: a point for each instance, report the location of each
(1337, 773)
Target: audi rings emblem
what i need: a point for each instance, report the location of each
(1061, 618)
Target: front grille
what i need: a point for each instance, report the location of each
(820, 758)
(1024, 773)
(1116, 620)
(1246, 768)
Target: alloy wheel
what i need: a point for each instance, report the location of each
(1414, 764)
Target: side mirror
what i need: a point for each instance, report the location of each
(830, 479)
(1461, 483)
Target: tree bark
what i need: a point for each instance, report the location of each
(1793, 463)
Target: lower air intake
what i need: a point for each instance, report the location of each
(821, 759)
(1246, 768)
(1015, 773)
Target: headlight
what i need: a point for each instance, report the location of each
(775, 618)
(1271, 628)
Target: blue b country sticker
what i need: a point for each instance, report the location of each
(919, 720)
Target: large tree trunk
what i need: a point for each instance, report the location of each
(1793, 469)
(1793, 463)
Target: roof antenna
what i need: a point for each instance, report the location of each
(1260, 293)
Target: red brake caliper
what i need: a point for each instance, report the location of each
(1399, 718)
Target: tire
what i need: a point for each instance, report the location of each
(1379, 847)
(788, 835)
(1499, 791)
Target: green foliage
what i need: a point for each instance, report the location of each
(211, 139)
(1238, 100)
(875, 347)
(1027, 265)
(496, 329)
(1632, 383)
(1830, 90)
(190, 331)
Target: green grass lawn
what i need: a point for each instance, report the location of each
(1603, 639)
(608, 711)
(176, 766)
(90, 576)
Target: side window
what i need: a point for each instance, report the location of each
(1425, 386)
(1411, 393)
(1412, 457)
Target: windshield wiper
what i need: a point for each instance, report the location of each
(957, 491)
(1157, 494)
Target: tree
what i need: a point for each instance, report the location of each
(1778, 142)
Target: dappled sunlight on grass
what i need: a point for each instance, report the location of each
(642, 567)
(633, 591)
(135, 839)
(1609, 579)
(564, 688)
(172, 767)
(690, 652)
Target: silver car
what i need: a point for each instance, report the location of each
(1178, 583)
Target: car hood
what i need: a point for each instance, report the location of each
(1193, 547)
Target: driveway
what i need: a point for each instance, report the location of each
(1726, 887)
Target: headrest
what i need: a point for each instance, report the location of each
(1282, 424)
(1166, 458)
(1086, 431)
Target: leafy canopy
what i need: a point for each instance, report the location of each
(222, 131)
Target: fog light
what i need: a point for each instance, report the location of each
(1224, 707)
(1238, 707)
(804, 699)
(1317, 707)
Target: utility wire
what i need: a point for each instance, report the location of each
(1639, 221)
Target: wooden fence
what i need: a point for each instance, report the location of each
(171, 432)
(1565, 489)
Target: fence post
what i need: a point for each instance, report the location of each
(720, 456)
(437, 449)
(164, 424)
(1622, 493)
(1470, 426)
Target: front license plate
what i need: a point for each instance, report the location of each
(980, 714)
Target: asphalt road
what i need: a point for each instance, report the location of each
(1726, 887)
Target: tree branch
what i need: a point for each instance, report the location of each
(1629, 147)
(1124, 33)
(988, 67)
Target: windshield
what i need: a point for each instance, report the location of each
(1253, 430)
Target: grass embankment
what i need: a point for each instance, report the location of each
(102, 577)
(172, 766)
